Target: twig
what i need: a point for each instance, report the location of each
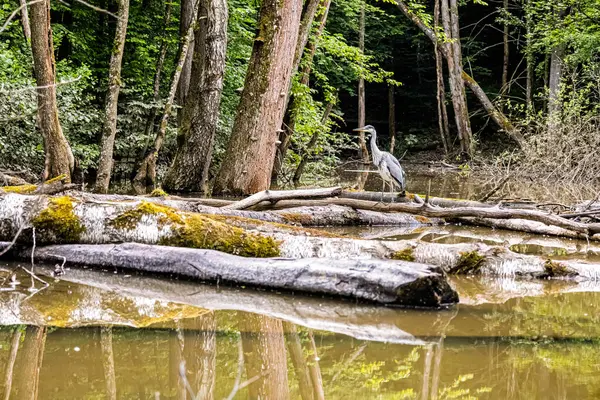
(93, 7)
(494, 190)
(33, 250)
(25, 89)
(13, 241)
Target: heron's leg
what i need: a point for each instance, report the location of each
(382, 189)
(392, 190)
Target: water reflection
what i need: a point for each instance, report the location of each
(204, 342)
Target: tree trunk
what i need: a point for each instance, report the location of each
(363, 153)
(497, 116)
(264, 356)
(308, 151)
(149, 130)
(25, 20)
(59, 158)
(146, 175)
(287, 129)
(314, 368)
(554, 103)
(250, 155)
(441, 87)
(27, 377)
(505, 84)
(449, 13)
(200, 116)
(188, 14)
(529, 58)
(109, 129)
(392, 117)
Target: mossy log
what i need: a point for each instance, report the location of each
(380, 281)
(69, 220)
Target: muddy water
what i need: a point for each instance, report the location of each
(101, 334)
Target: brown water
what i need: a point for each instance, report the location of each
(97, 335)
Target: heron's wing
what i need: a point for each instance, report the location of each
(395, 169)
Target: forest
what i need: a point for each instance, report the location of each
(234, 97)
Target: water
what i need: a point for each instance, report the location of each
(98, 334)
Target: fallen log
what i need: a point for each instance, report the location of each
(273, 196)
(381, 281)
(67, 220)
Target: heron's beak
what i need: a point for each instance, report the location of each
(359, 130)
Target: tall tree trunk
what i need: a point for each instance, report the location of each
(149, 130)
(25, 20)
(109, 129)
(287, 129)
(146, 174)
(497, 116)
(441, 86)
(505, 84)
(248, 162)
(449, 13)
(363, 153)
(264, 356)
(529, 58)
(392, 117)
(308, 152)
(27, 376)
(314, 368)
(108, 362)
(190, 168)
(554, 103)
(59, 158)
(188, 14)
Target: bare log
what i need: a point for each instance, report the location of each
(10, 180)
(273, 196)
(380, 281)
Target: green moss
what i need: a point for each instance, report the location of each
(56, 179)
(406, 254)
(553, 269)
(200, 231)
(469, 263)
(59, 220)
(130, 218)
(21, 189)
(158, 193)
(249, 223)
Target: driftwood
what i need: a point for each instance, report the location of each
(273, 196)
(387, 282)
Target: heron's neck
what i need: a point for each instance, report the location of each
(374, 150)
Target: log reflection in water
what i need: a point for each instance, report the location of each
(201, 349)
(294, 346)
(27, 374)
(108, 362)
(314, 368)
(10, 363)
(264, 356)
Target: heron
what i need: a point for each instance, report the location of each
(388, 166)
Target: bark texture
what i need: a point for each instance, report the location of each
(441, 86)
(449, 13)
(145, 177)
(248, 162)
(363, 153)
(25, 20)
(109, 129)
(190, 169)
(392, 117)
(59, 158)
(287, 130)
(27, 376)
(187, 15)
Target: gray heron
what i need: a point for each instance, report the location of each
(387, 165)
